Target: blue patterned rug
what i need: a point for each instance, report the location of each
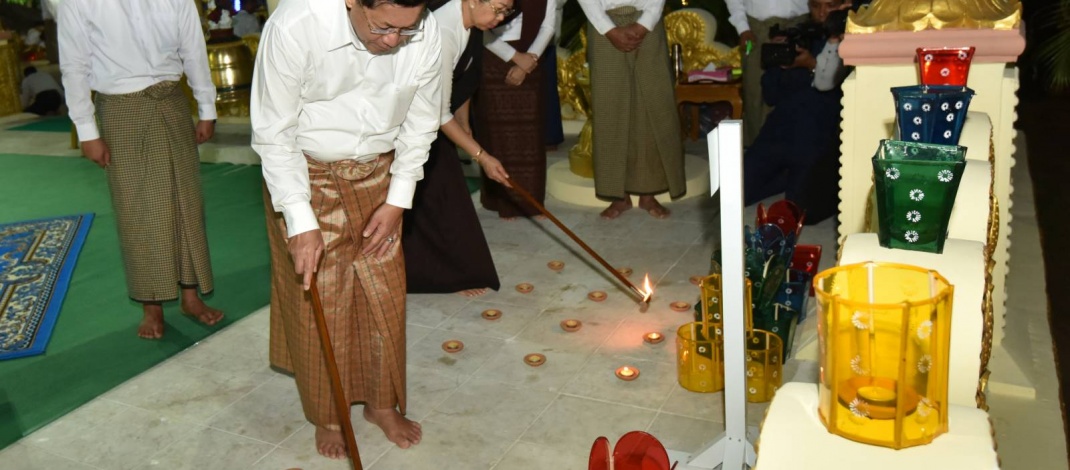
(36, 261)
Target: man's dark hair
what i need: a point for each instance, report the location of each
(836, 23)
(400, 3)
(29, 71)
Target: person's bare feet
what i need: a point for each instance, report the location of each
(400, 430)
(193, 306)
(330, 443)
(473, 292)
(616, 208)
(151, 326)
(653, 207)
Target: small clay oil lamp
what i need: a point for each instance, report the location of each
(680, 306)
(524, 287)
(571, 325)
(556, 265)
(492, 314)
(627, 373)
(696, 280)
(452, 346)
(534, 359)
(625, 271)
(596, 295)
(653, 337)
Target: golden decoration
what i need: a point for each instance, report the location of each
(693, 29)
(10, 78)
(919, 15)
(252, 41)
(231, 66)
(568, 69)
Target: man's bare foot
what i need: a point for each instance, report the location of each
(473, 292)
(330, 443)
(400, 430)
(616, 208)
(653, 207)
(151, 326)
(193, 306)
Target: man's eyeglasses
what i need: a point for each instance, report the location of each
(504, 12)
(407, 32)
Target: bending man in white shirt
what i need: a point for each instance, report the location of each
(132, 54)
(345, 104)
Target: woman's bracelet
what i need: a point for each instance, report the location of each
(475, 157)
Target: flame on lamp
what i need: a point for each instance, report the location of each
(648, 291)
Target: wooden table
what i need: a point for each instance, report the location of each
(702, 93)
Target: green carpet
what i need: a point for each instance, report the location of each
(94, 346)
(48, 124)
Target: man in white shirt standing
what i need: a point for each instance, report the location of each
(753, 19)
(345, 104)
(637, 145)
(132, 54)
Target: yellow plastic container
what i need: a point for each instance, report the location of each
(764, 368)
(885, 333)
(699, 347)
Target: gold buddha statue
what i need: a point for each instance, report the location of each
(918, 15)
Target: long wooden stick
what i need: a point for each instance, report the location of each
(643, 296)
(340, 401)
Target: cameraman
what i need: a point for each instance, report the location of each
(797, 150)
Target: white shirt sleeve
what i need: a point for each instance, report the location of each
(596, 15)
(74, 65)
(275, 105)
(737, 15)
(651, 13)
(194, 56)
(450, 53)
(420, 127)
(546, 29)
(496, 45)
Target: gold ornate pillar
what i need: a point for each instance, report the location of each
(881, 43)
(10, 78)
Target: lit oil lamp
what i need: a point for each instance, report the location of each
(627, 373)
(556, 265)
(534, 359)
(680, 306)
(492, 314)
(596, 295)
(524, 287)
(571, 325)
(452, 346)
(653, 337)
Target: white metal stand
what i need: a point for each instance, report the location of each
(731, 451)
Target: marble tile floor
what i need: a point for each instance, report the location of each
(217, 405)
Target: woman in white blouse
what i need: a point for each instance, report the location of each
(445, 249)
(510, 120)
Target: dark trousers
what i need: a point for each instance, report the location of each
(46, 102)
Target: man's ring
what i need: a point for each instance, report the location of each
(390, 239)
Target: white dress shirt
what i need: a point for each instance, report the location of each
(318, 91)
(454, 40)
(497, 39)
(739, 10)
(829, 67)
(122, 46)
(596, 12)
(245, 23)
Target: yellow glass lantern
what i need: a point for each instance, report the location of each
(884, 335)
(764, 368)
(700, 344)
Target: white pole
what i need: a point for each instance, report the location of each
(731, 451)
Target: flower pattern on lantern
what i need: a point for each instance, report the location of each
(928, 57)
(917, 195)
(860, 320)
(950, 117)
(958, 105)
(859, 408)
(911, 236)
(915, 135)
(947, 134)
(945, 72)
(856, 366)
(963, 55)
(925, 407)
(925, 363)
(945, 176)
(752, 390)
(944, 106)
(907, 107)
(925, 107)
(914, 216)
(925, 329)
(917, 120)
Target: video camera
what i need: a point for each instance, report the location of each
(803, 36)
